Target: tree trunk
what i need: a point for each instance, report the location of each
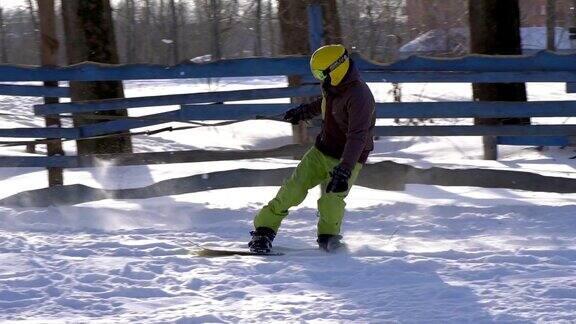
(49, 55)
(182, 45)
(131, 31)
(550, 25)
(174, 33)
(258, 29)
(34, 21)
(201, 26)
(90, 37)
(271, 29)
(3, 43)
(165, 49)
(373, 33)
(147, 45)
(294, 30)
(352, 19)
(495, 30)
(215, 21)
(293, 27)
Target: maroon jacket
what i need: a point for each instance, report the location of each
(349, 118)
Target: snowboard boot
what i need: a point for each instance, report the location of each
(262, 239)
(329, 242)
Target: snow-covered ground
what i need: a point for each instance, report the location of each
(428, 254)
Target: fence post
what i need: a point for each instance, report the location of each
(49, 49)
(315, 27)
(315, 37)
(490, 147)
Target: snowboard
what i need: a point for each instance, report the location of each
(219, 251)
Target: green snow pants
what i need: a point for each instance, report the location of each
(313, 170)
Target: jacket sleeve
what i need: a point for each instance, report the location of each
(360, 110)
(312, 109)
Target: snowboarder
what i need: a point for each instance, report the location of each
(347, 108)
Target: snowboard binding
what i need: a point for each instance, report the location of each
(329, 242)
(261, 242)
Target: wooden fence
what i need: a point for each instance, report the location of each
(542, 67)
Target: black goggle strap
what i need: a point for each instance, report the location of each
(336, 63)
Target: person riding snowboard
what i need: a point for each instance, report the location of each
(347, 108)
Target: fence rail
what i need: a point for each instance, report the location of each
(33, 91)
(166, 100)
(476, 130)
(47, 132)
(559, 65)
(150, 158)
(446, 109)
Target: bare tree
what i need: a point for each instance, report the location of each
(201, 25)
(33, 20)
(183, 40)
(374, 32)
(258, 29)
(164, 52)
(131, 31)
(145, 28)
(495, 29)
(551, 25)
(90, 37)
(215, 22)
(374, 28)
(147, 47)
(3, 43)
(174, 33)
(271, 28)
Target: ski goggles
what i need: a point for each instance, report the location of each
(323, 74)
(319, 74)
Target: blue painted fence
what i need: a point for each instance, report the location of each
(543, 66)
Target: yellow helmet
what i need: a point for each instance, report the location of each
(330, 62)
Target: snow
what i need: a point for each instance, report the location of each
(427, 254)
(457, 39)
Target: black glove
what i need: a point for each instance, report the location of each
(339, 181)
(295, 115)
